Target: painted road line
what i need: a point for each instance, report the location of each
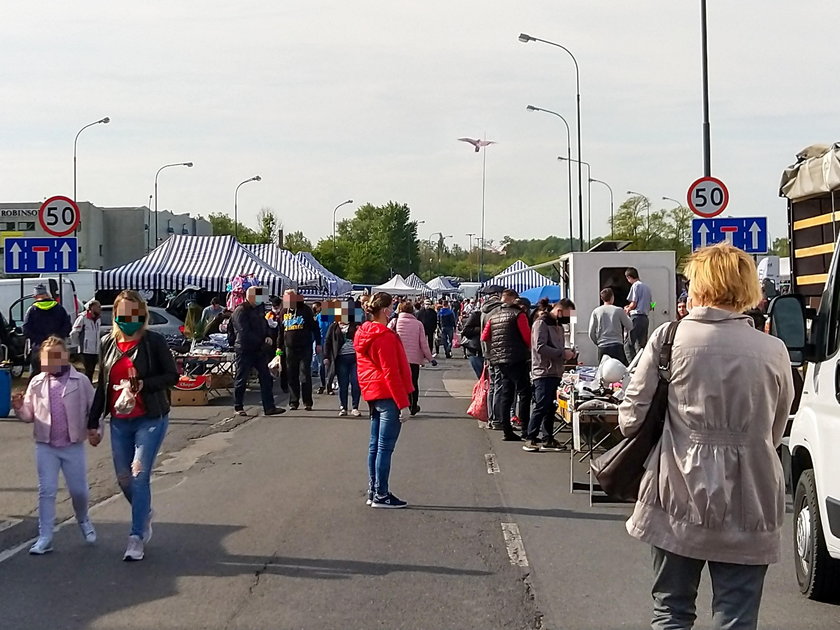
(492, 465)
(514, 544)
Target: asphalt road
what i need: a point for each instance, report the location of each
(264, 526)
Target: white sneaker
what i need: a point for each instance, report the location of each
(356, 413)
(88, 532)
(41, 546)
(134, 549)
(147, 531)
(342, 412)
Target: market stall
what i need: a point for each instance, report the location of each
(335, 286)
(520, 277)
(414, 281)
(396, 286)
(288, 264)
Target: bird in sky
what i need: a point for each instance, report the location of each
(477, 143)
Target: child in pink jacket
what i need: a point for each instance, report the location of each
(58, 401)
(413, 336)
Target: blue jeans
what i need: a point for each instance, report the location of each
(477, 364)
(545, 406)
(348, 378)
(385, 428)
(135, 443)
(446, 334)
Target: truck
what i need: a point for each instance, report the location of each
(808, 321)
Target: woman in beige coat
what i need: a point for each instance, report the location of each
(713, 490)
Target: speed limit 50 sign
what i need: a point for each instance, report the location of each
(59, 215)
(708, 197)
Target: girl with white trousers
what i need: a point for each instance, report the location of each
(58, 401)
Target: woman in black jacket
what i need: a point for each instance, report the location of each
(340, 361)
(139, 363)
(471, 341)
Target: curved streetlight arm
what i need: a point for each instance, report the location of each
(187, 164)
(679, 203)
(255, 178)
(527, 38)
(612, 201)
(343, 203)
(105, 120)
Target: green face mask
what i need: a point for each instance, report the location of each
(129, 328)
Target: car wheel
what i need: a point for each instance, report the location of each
(816, 570)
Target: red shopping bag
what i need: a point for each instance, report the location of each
(478, 406)
(456, 340)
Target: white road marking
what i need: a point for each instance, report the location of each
(492, 465)
(514, 544)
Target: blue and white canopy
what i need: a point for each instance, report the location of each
(441, 285)
(208, 262)
(288, 264)
(520, 278)
(335, 285)
(414, 281)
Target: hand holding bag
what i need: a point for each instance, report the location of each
(619, 471)
(478, 406)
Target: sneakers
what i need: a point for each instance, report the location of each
(274, 412)
(308, 408)
(88, 532)
(369, 497)
(321, 390)
(240, 412)
(41, 546)
(532, 446)
(293, 406)
(342, 412)
(356, 413)
(388, 501)
(515, 420)
(147, 530)
(552, 445)
(415, 410)
(134, 549)
(495, 426)
(511, 437)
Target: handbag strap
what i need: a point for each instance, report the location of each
(665, 351)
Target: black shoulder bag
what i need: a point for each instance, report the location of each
(619, 471)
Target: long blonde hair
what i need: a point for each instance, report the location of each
(130, 296)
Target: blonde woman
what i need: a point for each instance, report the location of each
(713, 491)
(141, 360)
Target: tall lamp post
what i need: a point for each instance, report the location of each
(588, 197)
(188, 165)
(707, 128)
(612, 205)
(343, 203)
(479, 145)
(527, 38)
(103, 121)
(469, 251)
(255, 178)
(532, 108)
(149, 225)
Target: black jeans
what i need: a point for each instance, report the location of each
(614, 350)
(430, 336)
(299, 362)
(638, 336)
(90, 362)
(513, 380)
(245, 362)
(414, 396)
(545, 406)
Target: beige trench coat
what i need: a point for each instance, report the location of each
(714, 488)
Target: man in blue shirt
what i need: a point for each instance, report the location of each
(638, 307)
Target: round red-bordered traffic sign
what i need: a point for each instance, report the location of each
(707, 197)
(59, 216)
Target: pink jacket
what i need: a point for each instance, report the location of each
(413, 336)
(78, 398)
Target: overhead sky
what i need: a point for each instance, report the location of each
(329, 100)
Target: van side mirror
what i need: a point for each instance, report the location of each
(787, 322)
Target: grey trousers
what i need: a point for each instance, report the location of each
(736, 592)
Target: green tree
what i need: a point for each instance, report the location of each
(223, 225)
(269, 225)
(780, 247)
(296, 242)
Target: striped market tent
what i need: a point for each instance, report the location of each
(335, 285)
(414, 281)
(289, 265)
(209, 262)
(520, 278)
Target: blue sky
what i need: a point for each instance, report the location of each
(331, 100)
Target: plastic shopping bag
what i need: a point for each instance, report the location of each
(456, 340)
(274, 366)
(126, 401)
(478, 406)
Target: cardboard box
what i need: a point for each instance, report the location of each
(189, 398)
(220, 381)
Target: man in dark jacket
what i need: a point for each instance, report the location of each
(248, 333)
(490, 305)
(429, 318)
(508, 337)
(446, 322)
(45, 318)
(300, 333)
(471, 341)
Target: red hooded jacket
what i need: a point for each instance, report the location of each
(382, 365)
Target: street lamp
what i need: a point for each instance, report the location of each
(707, 129)
(679, 203)
(612, 205)
(188, 165)
(527, 38)
(149, 225)
(532, 108)
(255, 178)
(103, 121)
(647, 205)
(588, 196)
(343, 203)
(469, 252)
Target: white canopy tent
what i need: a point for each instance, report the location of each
(396, 286)
(441, 285)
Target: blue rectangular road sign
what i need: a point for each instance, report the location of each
(40, 255)
(747, 233)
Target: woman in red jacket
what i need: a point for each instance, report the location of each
(385, 379)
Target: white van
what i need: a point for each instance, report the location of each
(84, 282)
(11, 290)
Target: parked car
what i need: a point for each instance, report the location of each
(161, 322)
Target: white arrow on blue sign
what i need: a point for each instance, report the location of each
(41, 255)
(747, 233)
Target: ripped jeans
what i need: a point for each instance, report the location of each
(135, 443)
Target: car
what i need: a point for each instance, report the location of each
(160, 321)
